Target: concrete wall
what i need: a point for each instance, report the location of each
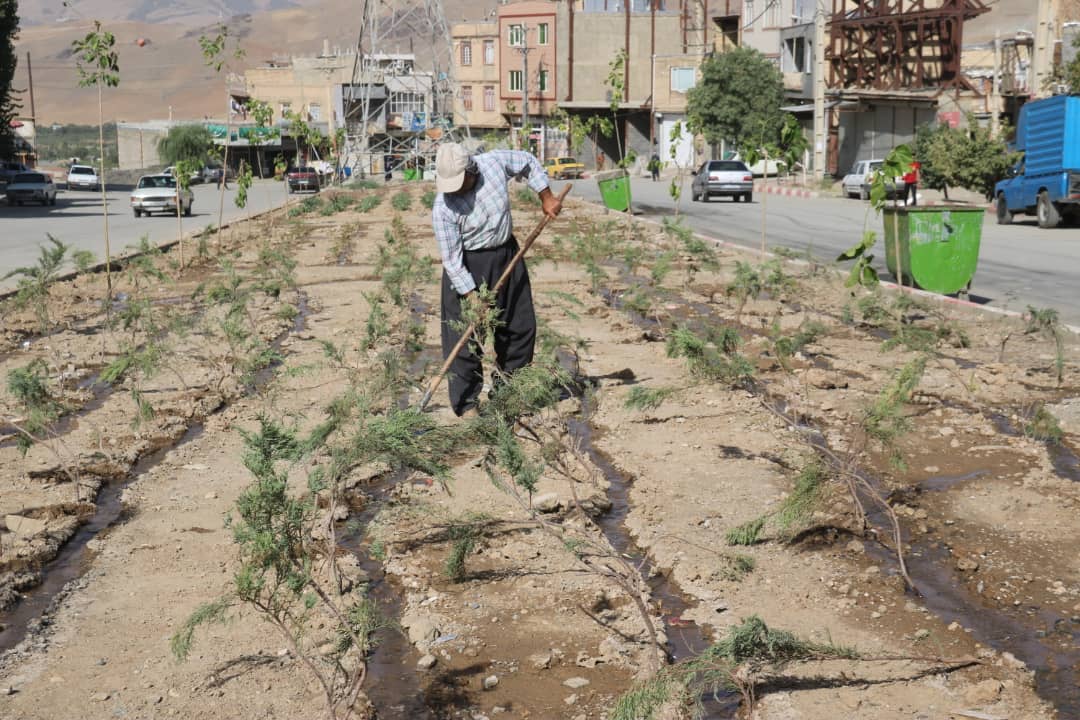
(597, 37)
(137, 144)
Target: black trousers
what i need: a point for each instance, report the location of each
(515, 338)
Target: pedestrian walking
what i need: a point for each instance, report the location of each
(472, 223)
(223, 177)
(654, 166)
(911, 184)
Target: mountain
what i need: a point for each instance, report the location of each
(192, 13)
(165, 73)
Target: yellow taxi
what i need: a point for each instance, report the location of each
(563, 167)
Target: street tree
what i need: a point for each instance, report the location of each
(1071, 72)
(9, 31)
(98, 65)
(738, 99)
(970, 157)
(186, 142)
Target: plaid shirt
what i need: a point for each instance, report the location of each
(480, 218)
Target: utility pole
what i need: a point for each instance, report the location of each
(524, 49)
(819, 92)
(30, 77)
(995, 92)
(1045, 32)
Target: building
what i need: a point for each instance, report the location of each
(664, 42)
(383, 103)
(528, 59)
(476, 69)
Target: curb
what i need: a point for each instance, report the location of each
(933, 297)
(117, 262)
(949, 203)
(786, 192)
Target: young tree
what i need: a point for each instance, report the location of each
(738, 98)
(98, 65)
(9, 31)
(263, 115)
(216, 56)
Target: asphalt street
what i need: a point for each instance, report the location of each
(77, 220)
(1019, 264)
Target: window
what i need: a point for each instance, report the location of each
(286, 108)
(618, 6)
(489, 98)
(466, 97)
(515, 81)
(748, 15)
(315, 112)
(466, 52)
(489, 52)
(517, 35)
(795, 55)
(682, 79)
(543, 81)
(772, 13)
(403, 102)
(542, 34)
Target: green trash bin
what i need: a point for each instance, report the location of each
(939, 245)
(409, 174)
(615, 189)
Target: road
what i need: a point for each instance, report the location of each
(76, 220)
(1019, 264)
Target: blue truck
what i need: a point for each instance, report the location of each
(1046, 181)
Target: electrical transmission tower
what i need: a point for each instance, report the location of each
(392, 28)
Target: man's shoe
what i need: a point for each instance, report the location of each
(470, 413)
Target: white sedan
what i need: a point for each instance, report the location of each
(158, 194)
(83, 176)
(31, 187)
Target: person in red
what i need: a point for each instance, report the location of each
(911, 184)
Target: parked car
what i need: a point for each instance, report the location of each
(83, 176)
(212, 173)
(194, 178)
(563, 167)
(1046, 182)
(9, 169)
(857, 182)
(302, 178)
(723, 177)
(31, 187)
(157, 193)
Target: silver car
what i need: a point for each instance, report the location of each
(31, 187)
(717, 178)
(158, 194)
(857, 182)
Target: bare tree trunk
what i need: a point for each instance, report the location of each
(224, 169)
(179, 221)
(104, 202)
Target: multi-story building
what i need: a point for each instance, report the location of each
(528, 56)
(553, 58)
(338, 90)
(476, 69)
(662, 43)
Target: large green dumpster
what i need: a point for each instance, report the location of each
(939, 245)
(615, 189)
